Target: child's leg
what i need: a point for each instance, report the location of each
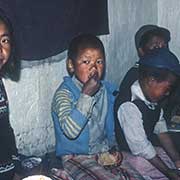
(163, 155)
(145, 168)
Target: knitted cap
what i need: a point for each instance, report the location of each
(161, 58)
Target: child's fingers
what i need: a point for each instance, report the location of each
(95, 76)
(93, 72)
(118, 157)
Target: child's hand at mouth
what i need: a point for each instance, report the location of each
(93, 84)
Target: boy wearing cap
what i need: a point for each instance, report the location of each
(143, 128)
(148, 37)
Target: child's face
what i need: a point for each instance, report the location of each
(5, 44)
(89, 62)
(157, 91)
(155, 42)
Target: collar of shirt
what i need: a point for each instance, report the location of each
(138, 94)
(77, 83)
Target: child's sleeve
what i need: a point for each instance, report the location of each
(131, 122)
(85, 104)
(72, 114)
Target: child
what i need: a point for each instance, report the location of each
(148, 37)
(8, 67)
(141, 118)
(82, 112)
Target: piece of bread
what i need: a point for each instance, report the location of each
(107, 159)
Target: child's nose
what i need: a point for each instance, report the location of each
(93, 65)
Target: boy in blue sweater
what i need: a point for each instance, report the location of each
(82, 112)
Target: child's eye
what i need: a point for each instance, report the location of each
(100, 61)
(5, 40)
(86, 61)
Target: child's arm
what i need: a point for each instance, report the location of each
(9, 136)
(72, 114)
(165, 140)
(167, 144)
(92, 85)
(131, 122)
(169, 147)
(132, 125)
(159, 164)
(12, 141)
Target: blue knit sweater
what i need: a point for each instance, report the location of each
(78, 144)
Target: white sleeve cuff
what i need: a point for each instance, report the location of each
(148, 153)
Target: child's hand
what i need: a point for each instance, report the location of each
(177, 164)
(173, 174)
(118, 156)
(92, 85)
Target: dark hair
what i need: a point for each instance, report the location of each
(146, 37)
(158, 74)
(84, 41)
(11, 69)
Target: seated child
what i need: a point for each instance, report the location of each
(150, 37)
(143, 128)
(147, 37)
(8, 69)
(82, 112)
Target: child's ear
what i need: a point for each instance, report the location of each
(70, 66)
(141, 52)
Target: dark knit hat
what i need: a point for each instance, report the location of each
(149, 27)
(161, 58)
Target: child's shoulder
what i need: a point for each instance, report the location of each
(68, 85)
(111, 87)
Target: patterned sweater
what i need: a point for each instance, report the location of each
(7, 138)
(74, 124)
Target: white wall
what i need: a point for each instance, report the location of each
(30, 98)
(125, 18)
(168, 16)
(30, 106)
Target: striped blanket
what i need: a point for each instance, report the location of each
(83, 167)
(87, 168)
